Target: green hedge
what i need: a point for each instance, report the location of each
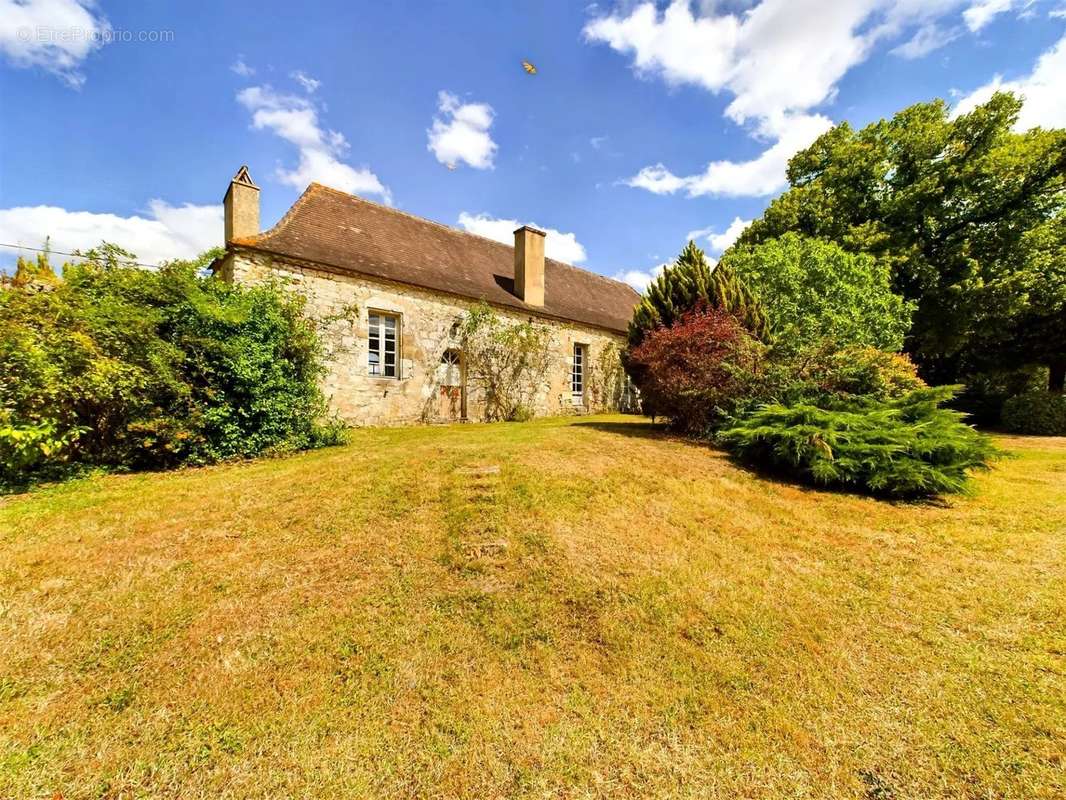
(1039, 412)
(909, 447)
(135, 369)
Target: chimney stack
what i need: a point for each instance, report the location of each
(529, 265)
(241, 206)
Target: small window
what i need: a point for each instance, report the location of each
(449, 369)
(577, 375)
(382, 338)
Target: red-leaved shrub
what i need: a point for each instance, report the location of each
(695, 372)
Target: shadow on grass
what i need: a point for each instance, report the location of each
(770, 474)
(782, 477)
(640, 430)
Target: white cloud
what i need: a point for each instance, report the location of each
(760, 176)
(982, 12)
(779, 59)
(163, 232)
(597, 142)
(657, 179)
(242, 69)
(461, 132)
(295, 119)
(640, 278)
(309, 84)
(719, 242)
(558, 245)
(926, 39)
(55, 35)
(780, 56)
(1042, 90)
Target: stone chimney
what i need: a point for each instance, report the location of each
(529, 265)
(241, 206)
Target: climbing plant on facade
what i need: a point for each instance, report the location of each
(507, 362)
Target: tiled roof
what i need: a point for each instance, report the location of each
(348, 234)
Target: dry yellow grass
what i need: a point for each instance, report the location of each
(611, 613)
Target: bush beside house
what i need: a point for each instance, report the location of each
(126, 368)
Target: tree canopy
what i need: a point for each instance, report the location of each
(690, 283)
(813, 290)
(965, 213)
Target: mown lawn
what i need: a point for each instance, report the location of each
(563, 608)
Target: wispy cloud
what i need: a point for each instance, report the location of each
(309, 84)
(1041, 89)
(779, 60)
(239, 67)
(982, 12)
(54, 35)
(639, 278)
(925, 40)
(295, 119)
(760, 176)
(719, 242)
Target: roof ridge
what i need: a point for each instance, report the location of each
(449, 228)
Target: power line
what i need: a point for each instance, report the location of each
(73, 255)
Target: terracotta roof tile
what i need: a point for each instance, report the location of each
(346, 233)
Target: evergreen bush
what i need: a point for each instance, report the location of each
(908, 447)
(691, 283)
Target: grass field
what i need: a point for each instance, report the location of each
(563, 608)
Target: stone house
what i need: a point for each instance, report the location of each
(390, 291)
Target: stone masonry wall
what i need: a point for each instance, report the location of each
(427, 323)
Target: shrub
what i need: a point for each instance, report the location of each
(986, 392)
(908, 447)
(825, 374)
(1036, 412)
(29, 449)
(133, 368)
(697, 372)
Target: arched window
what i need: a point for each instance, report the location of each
(450, 374)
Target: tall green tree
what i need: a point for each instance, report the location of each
(814, 290)
(966, 213)
(691, 282)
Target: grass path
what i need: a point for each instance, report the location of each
(563, 608)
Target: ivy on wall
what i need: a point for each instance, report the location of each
(507, 362)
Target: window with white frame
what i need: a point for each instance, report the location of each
(382, 338)
(577, 374)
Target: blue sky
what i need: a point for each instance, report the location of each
(643, 125)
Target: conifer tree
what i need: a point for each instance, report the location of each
(691, 282)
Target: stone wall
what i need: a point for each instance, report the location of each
(427, 329)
